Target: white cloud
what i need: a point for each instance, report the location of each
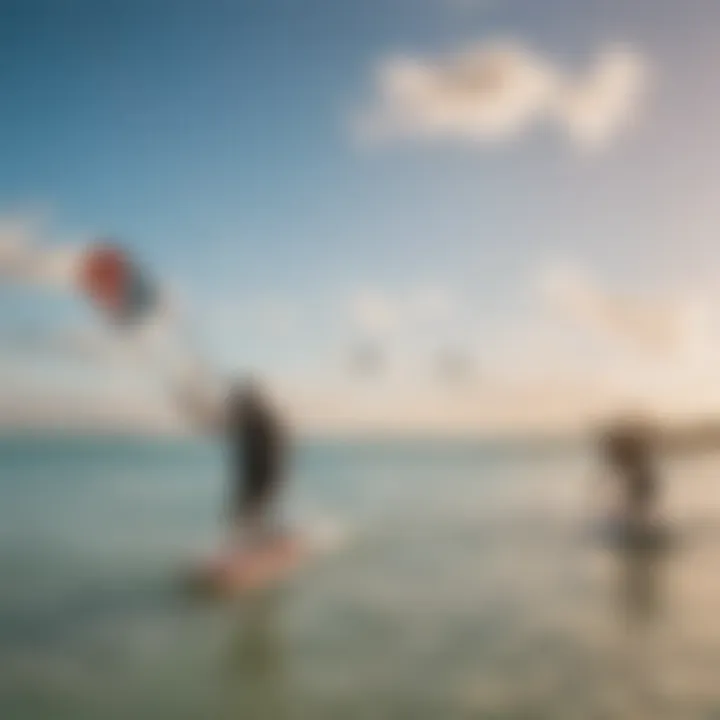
(659, 328)
(377, 313)
(374, 313)
(23, 259)
(500, 90)
(413, 332)
(606, 100)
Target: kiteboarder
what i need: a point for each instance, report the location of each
(629, 450)
(257, 444)
(254, 434)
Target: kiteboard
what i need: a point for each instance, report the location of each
(250, 568)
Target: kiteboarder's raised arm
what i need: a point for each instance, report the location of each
(201, 407)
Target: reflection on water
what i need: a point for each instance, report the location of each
(641, 622)
(253, 670)
(640, 587)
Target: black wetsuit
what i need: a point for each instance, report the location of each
(256, 441)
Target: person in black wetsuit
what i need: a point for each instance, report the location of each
(256, 440)
(629, 450)
(257, 447)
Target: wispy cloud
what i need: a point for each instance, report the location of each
(397, 407)
(657, 327)
(24, 259)
(500, 90)
(110, 412)
(378, 313)
(606, 100)
(374, 313)
(416, 331)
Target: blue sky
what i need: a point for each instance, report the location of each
(217, 140)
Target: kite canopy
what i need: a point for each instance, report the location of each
(115, 284)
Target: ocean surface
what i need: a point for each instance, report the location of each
(457, 580)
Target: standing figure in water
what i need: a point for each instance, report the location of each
(629, 451)
(257, 454)
(256, 441)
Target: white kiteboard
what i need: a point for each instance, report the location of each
(242, 570)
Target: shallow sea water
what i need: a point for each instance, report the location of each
(460, 581)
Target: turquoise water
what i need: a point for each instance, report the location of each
(463, 585)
